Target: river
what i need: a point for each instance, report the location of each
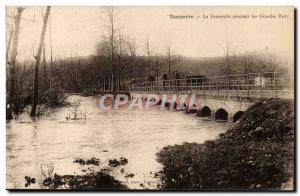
(137, 135)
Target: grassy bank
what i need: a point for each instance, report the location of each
(256, 153)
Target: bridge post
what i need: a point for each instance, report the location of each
(203, 86)
(236, 86)
(248, 84)
(196, 85)
(227, 86)
(185, 85)
(209, 85)
(218, 85)
(260, 83)
(191, 85)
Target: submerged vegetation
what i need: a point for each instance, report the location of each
(92, 161)
(93, 178)
(256, 153)
(76, 113)
(116, 163)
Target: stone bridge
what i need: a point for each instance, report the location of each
(206, 107)
(222, 98)
(221, 109)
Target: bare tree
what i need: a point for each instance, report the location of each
(108, 49)
(120, 52)
(231, 59)
(51, 55)
(12, 63)
(178, 61)
(132, 50)
(148, 51)
(157, 65)
(108, 46)
(228, 61)
(8, 50)
(37, 63)
(169, 55)
(8, 44)
(22, 85)
(110, 15)
(44, 67)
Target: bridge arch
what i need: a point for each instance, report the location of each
(205, 112)
(221, 114)
(192, 110)
(237, 116)
(175, 105)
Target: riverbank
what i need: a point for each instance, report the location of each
(256, 153)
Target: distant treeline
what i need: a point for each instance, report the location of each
(80, 74)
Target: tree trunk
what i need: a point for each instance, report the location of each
(37, 63)
(51, 60)
(149, 64)
(169, 64)
(8, 46)
(112, 50)
(12, 67)
(157, 68)
(131, 67)
(44, 69)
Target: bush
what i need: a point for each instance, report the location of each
(222, 164)
(53, 99)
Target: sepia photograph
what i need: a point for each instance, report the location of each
(150, 98)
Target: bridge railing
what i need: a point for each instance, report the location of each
(257, 85)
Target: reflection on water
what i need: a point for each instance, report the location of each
(136, 135)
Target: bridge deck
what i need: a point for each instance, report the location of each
(249, 87)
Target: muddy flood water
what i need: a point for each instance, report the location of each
(136, 135)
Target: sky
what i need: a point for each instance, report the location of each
(76, 30)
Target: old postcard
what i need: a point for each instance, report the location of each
(150, 98)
